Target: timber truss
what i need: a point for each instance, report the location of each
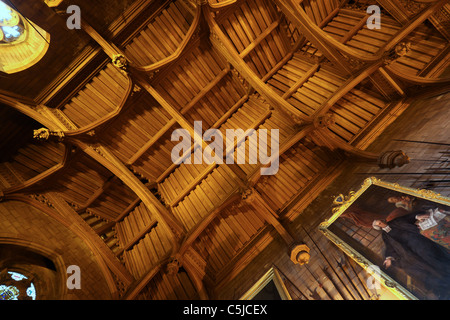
(311, 69)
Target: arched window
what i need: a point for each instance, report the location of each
(16, 286)
(22, 43)
(11, 25)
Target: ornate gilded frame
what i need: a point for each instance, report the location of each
(343, 202)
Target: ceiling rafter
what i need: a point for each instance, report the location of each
(226, 48)
(338, 52)
(311, 128)
(40, 112)
(183, 122)
(194, 28)
(55, 207)
(47, 174)
(175, 113)
(173, 121)
(108, 160)
(120, 31)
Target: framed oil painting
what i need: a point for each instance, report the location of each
(397, 234)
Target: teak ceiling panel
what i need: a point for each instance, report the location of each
(191, 73)
(349, 27)
(113, 200)
(206, 196)
(130, 226)
(157, 160)
(162, 36)
(305, 85)
(81, 180)
(318, 10)
(217, 102)
(354, 111)
(298, 167)
(142, 121)
(169, 287)
(148, 252)
(198, 84)
(255, 31)
(101, 96)
(231, 231)
(426, 44)
(35, 158)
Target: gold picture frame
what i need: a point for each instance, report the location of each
(342, 203)
(271, 275)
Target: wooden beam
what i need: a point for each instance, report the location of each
(338, 53)
(224, 4)
(226, 48)
(346, 87)
(109, 48)
(411, 26)
(206, 221)
(205, 90)
(245, 256)
(329, 17)
(259, 38)
(147, 146)
(330, 47)
(391, 81)
(41, 176)
(292, 140)
(440, 21)
(301, 81)
(395, 10)
(294, 207)
(439, 61)
(137, 238)
(193, 184)
(30, 110)
(355, 29)
(89, 235)
(140, 284)
(193, 264)
(120, 31)
(97, 194)
(419, 80)
(216, 125)
(176, 114)
(128, 209)
(39, 112)
(106, 158)
(108, 117)
(175, 55)
(265, 212)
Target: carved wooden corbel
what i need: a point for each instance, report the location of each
(45, 134)
(173, 266)
(324, 138)
(392, 159)
(300, 254)
(120, 62)
(398, 51)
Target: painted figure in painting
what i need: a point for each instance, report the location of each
(407, 248)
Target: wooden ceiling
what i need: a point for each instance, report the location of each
(311, 69)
